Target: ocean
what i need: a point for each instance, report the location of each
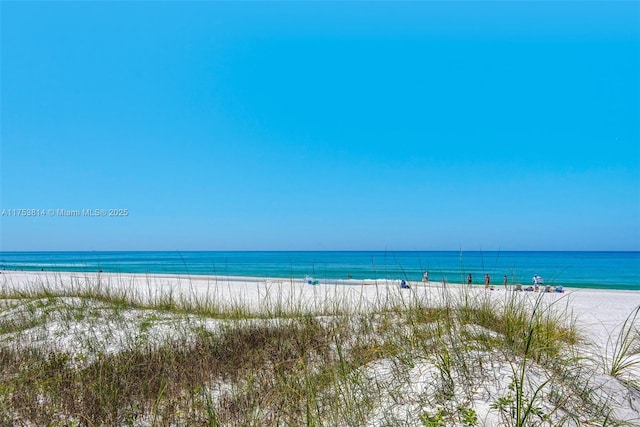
(604, 270)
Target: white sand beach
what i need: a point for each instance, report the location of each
(598, 312)
(598, 315)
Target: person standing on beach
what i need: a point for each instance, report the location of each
(469, 279)
(425, 277)
(486, 281)
(504, 281)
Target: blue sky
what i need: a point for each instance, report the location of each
(321, 125)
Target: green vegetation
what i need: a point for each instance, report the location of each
(97, 355)
(625, 354)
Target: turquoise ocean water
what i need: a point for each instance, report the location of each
(605, 270)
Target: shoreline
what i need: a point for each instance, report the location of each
(311, 281)
(587, 269)
(321, 280)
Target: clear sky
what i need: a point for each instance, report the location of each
(321, 125)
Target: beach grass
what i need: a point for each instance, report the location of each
(624, 353)
(99, 351)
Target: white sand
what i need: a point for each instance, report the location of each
(599, 313)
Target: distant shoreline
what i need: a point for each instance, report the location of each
(324, 281)
(587, 270)
(222, 279)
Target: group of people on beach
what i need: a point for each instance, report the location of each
(487, 281)
(537, 283)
